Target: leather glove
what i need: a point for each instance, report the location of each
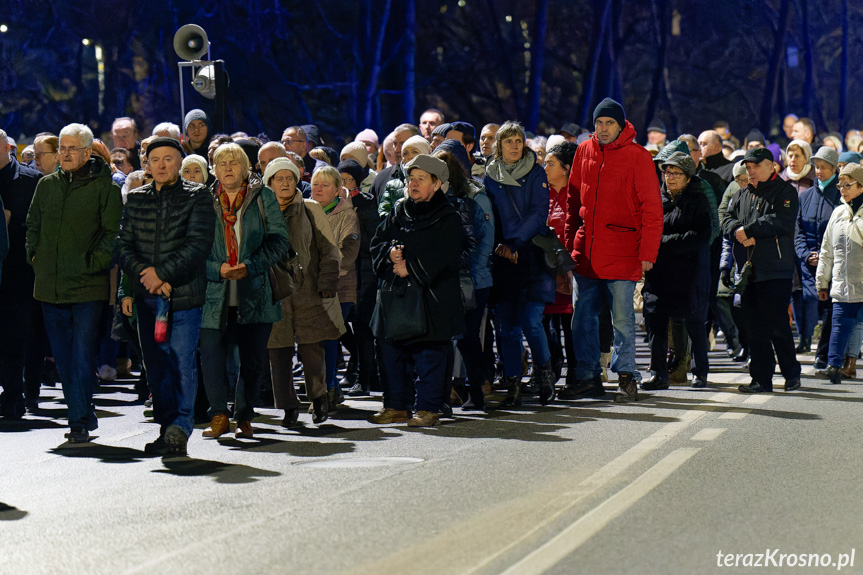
(725, 278)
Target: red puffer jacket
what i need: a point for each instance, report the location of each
(614, 221)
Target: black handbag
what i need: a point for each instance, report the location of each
(557, 259)
(402, 309)
(286, 276)
(468, 290)
(745, 274)
(555, 256)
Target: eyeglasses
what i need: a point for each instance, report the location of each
(669, 174)
(349, 182)
(846, 186)
(119, 162)
(291, 142)
(71, 150)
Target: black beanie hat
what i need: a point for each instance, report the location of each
(608, 108)
(163, 141)
(353, 168)
(251, 148)
(455, 148)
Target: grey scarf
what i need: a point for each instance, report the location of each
(498, 171)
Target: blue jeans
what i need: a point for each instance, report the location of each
(331, 351)
(517, 317)
(428, 361)
(805, 309)
(172, 366)
(845, 317)
(588, 298)
(73, 330)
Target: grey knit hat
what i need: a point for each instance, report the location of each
(193, 115)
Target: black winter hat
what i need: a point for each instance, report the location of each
(313, 134)
(441, 129)
(161, 142)
(331, 154)
(353, 168)
(251, 148)
(608, 108)
(455, 148)
(656, 126)
(464, 128)
(755, 135)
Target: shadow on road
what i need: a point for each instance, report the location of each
(229, 473)
(104, 453)
(291, 447)
(9, 513)
(28, 425)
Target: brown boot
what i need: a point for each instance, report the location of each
(219, 425)
(628, 388)
(849, 367)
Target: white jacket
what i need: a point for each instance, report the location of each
(841, 256)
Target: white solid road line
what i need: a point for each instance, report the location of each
(757, 399)
(594, 521)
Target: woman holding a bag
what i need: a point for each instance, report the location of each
(523, 284)
(416, 253)
(251, 236)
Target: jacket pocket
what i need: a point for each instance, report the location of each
(616, 228)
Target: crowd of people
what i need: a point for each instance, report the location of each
(231, 268)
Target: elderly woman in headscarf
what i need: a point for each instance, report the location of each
(417, 252)
(311, 315)
(798, 171)
(679, 283)
(395, 189)
(251, 236)
(840, 268)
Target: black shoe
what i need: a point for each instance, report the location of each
(583, 389)
(176, 440)
(291, 417)
(319, 410)
(545, 379)
(357, 391)
(513, 393)
(473, 404)
(833, 373)
(754, 387)
(654, 383)
(78, 436)
(698, 382)
(628, 387)
(158, 447)
(733, 351)
(805, 346)
(446, 410)
(792, 384)
(531, 387)
(741, 355)
(820, 364)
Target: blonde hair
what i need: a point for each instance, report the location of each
(330, 173)
(235, 152)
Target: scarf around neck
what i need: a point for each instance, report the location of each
(803, 173)
(509, 175)
(229, 218)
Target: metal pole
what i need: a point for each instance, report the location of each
(182, 98)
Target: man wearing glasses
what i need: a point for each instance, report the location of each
(760, 222)
(71, 226)
(295, 139)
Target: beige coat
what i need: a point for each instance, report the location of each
(346, 229)
(306, 317)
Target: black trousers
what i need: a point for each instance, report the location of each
(764, 306)
(657, 337)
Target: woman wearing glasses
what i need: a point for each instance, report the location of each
(679, 283)
(840, 268)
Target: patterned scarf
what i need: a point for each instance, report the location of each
(229, 217)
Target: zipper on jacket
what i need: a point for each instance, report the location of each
(595, 202)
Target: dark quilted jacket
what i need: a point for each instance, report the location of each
(171, 230)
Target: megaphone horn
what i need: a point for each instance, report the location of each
(190, 42)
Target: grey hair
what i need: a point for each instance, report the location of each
(508, 129)
(79, 131)
(172, 129)
(3, 134)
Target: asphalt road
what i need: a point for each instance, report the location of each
(680, 482)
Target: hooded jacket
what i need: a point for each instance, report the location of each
(614, 218)
(767, 213)
(71, 227)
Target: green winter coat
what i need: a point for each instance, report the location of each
(71, 226)
(258, 250)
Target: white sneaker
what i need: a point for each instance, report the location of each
(107, 373)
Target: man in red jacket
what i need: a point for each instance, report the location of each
(613, 229)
